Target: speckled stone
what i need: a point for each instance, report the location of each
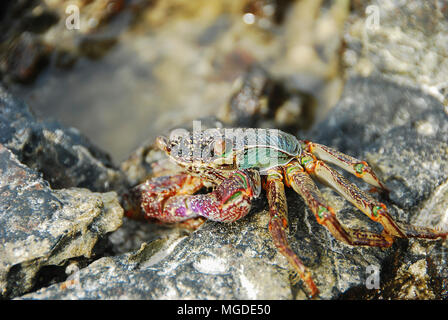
(63, 155)
(239, 260)
(41, 227)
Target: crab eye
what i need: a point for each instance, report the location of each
(222, 147)
(219, 147)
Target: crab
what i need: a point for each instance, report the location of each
(238, 163)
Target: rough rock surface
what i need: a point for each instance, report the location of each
(404, 41)
(212, 263)
(47, 216)
(393, 113)
(403, 134)
(64, 157)
(401, 131)
(41, 227)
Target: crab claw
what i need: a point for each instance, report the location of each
(231, 200)
(246, 183)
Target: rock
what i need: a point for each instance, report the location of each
(64, 156)
(403, 133)
(223, 261)
(33, 32)
(26, 57)
(41, 227)
(261, 101)
(406, 45)
(212, 263)
(239, 260)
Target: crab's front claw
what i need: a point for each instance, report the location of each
(160, 198)
(169, 199)
(245, 183)
(231, 200)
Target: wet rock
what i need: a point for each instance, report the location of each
(376, 120)
(96, 47)
(212, 263)
(223, 261)
(401, 131)
(64, 156)
(25, 58)
(261, 101)
(250, 101)
(403, 41)
(33, 32)
(23, 54)
(41, 227)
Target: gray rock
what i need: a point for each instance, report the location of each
(42, 227)
(403, 134)
(222, 261)
(401, 131)
(211, 263)
(408, 45)
(385, 123)
(64, 156)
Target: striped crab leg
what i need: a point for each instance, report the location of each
(375, 210)
(302, 183)
(278, 226)
(356, 167)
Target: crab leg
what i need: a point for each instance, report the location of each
(302, 183)
(356, 167)
(375, 210)
(278, 226)
(169, 199)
